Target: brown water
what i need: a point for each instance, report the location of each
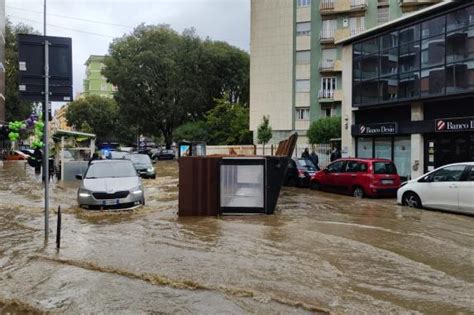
(320, 252)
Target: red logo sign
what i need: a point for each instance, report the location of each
(440, 125)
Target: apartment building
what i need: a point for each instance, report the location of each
(296, 68)
(95, 83)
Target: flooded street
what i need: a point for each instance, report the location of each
(319, 253)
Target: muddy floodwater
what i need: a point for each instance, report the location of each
(320, 253)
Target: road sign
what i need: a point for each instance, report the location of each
(31, 68)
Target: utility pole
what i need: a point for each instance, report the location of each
(46, 123)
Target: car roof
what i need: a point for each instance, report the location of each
(364, 159)
(460, 163)
(110, 161)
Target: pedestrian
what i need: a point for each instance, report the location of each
(315, 159)
(305, 154)
(94, 157)
(335, 154)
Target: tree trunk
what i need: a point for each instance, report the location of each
(168, 139)
(263, 149)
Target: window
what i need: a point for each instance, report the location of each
(409, 34)
(357, 24)
(382, 15)
(388, 88)
(459, 77)
(327, 111)
(356, 167)
(460, 18)
(302, 114)
(459, 45)
(383, 148)
(303, 56)
(389, 41)
(328, 86)
(303, 3)
(432, 51)
(433, 27)
(389, 62)
(384, 168)
(447, 174)
(336, 167)
(303, 29)
(409, 85)
(302, 86)
(328, 28)
(409, 58)
(432, 81)
(470, 177)
(328, 58)
(364, 147)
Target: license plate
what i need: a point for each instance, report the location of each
(387, 181)
(111, 202)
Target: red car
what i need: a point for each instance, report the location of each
(358, 177)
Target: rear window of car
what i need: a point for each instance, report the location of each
(384, 168)
(307, 164)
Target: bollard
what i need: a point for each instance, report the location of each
(58, 229)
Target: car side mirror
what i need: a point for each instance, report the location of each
(79, 176)
(153, 162)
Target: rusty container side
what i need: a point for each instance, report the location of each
(198, 186)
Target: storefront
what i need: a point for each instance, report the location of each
(412, 90)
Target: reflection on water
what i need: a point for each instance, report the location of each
(320, 252)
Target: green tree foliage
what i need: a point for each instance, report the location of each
(14, 108)
(192, 131)
(264, 132)
(228, 123)
(94, 114)
(165, 79)
(324, 129)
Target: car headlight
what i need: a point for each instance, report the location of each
(150, 169)
(84, 193)
(137, 191)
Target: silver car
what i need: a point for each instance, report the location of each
(110, 184)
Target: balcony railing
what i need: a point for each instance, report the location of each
(327, 35)
(326, 5)
(358, 4)
(357, 30)
(326, 93)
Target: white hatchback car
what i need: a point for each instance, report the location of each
(450, 188)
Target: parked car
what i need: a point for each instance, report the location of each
(28, 152)
(15, 156)
(143, 165)
(165, 154)
(450, 188)
(359, 177)
(299, 173)
(110, 184)
(114, 155)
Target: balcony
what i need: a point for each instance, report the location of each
(405, 3)
(327, 96)
(357, 30)
(327, 36)
(330, 65)
(341, 6)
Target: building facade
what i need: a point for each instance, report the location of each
(296, 67)
(409, 90)
(2, 61)
(95, 83)
(59, 120)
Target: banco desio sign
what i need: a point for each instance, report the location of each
(454, 124)
(377, 129)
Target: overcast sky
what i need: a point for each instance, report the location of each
(93, 24)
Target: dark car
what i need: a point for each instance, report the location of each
(299, 173)
(359, 177)
(166, 154)
(143, 165)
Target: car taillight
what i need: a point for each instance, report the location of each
(301, 173)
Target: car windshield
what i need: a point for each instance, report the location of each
(307, 164)
(115, 169)
(139, 158)
(67, 155)
(384, 168)
(117, 154)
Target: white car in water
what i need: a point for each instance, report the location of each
(450, 188)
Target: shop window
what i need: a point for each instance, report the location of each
(460, 18)
(460, 77)
(432, 81)
(409, 59)
(433, 27)
(383, 148)
(364, 147)
(402, 155)
(409, 85)
(389, 62)
(460, 45)
(432, 51)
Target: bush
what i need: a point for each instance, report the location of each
(324, 129)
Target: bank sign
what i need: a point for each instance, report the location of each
(377, 129)
(454, 124)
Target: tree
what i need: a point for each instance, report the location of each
(324, 129)
(94, 114)
(264, 132)
(228, 123)
(14, 108)
(192, 131)
(165, 79)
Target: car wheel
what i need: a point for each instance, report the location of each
(315, 185)
(410, 199)
(358, 192)
(153, 177)
(143, 201)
